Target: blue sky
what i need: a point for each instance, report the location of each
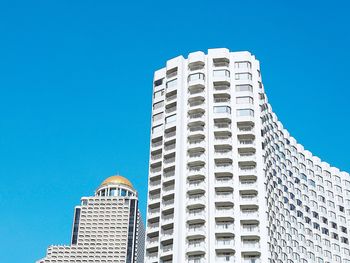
(76, 85)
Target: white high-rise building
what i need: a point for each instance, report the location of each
(227, 183)
(106, 228)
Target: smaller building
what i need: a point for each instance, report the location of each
(107, 227)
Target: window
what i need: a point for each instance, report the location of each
(157, 128)
(158, 82)
(221, 73)
(171, 84)
(158, 94)
(243, 76)
(196, 76)
(242, 100)
(245, 112)
(157, 117)
(243, 64)
(170, 119)
(222, 109)
(244, 88)
(158, 105)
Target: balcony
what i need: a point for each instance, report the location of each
(249, 214)
(225, 167)
(196, 130)
(196, 217)
(154, 212)
(246, 143)
(166, 251)
(196, 84)
(196, 104)
(222, 126)
(170, 134)
(247, 170)
(167, 219)
(168, 204)
(156, 144)
(196, 158)
(171, 98)
(248, 199)
(250, 230)
(152, 227)
(166, 234)
(247, 185)
(170, 147)
(196, 172)
(224, 182)
(196, 201)
(222, 153)
(251, 260)
(168, 175)
(250, 246)
(151, 257)
(168, 190)
(225, 245)
(196, 248)
(196, 118)
(152, 241)
(224, 197)
(153, 185)
(196, 232)
(245, 130)
(198, 143)
(197, 186)
(224, 228)
(169, 161)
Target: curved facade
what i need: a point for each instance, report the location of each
(227, 183)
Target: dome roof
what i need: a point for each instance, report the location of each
(117, 179)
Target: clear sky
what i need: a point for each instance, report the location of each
(76, 85)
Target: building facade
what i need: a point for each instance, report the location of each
(227, 183)
(107, 227)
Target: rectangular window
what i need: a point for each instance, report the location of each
(171, 84)
(243, 64)
(157, 117)
(245, 112)
(244, 88)
(221, 73)
(158, 94)
(244, 100)
(158, 82)
(157, 128)
(196, 76)
(243, 76)
(170, 119)
(222, 109)
(158, 105)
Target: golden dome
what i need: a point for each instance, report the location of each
(117, 179)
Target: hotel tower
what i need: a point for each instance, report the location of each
(227, 182)
(106, 228)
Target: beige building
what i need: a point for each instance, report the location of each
(107, 227)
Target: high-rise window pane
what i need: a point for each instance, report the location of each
(243, 100)
(243, 76)
(157, 128)
(170, 119)
(171, 84)
(245, 112)
(158, 94)
(221, 73)
(222, 109)
(158, 105)
(158, 116)
(244, 88)
(196, 76)
(243, 64)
